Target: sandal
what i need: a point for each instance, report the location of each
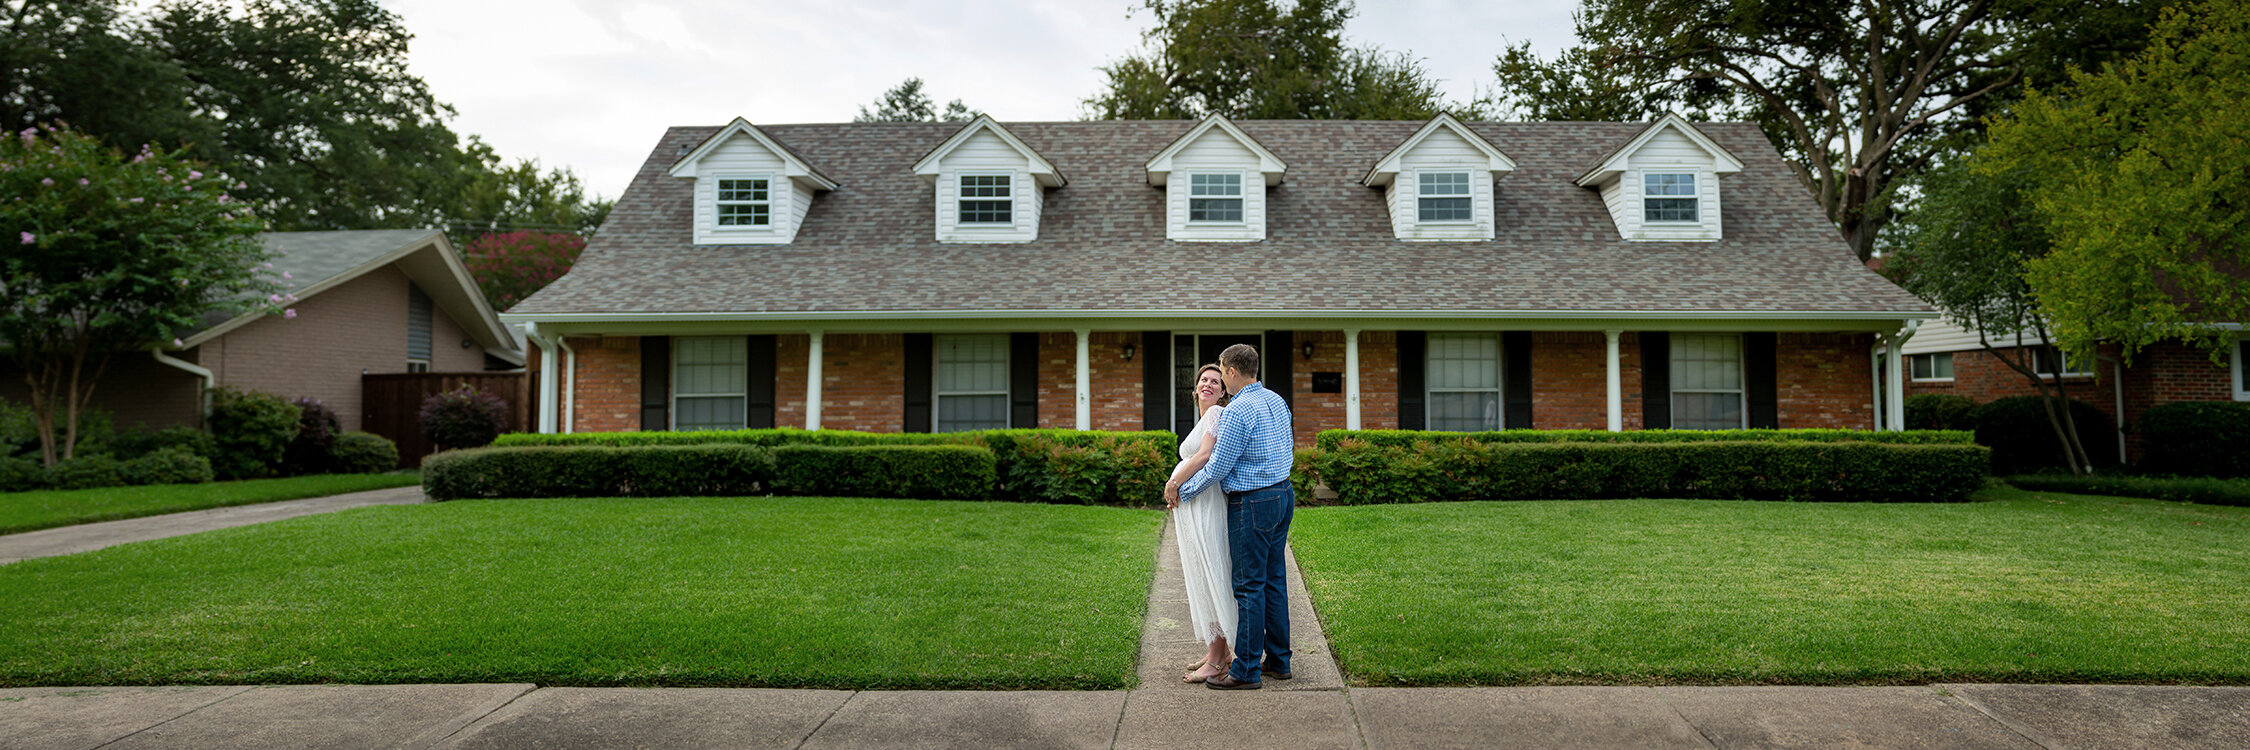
(1191, 677)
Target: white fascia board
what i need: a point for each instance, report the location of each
(792, 167)
(1723, 161)
(1210, 314)
(1160, 168)
(1041, 169)
(1386, 168)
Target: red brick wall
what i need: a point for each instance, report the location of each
(608, 384)
(1117, 384)
(1378, 380)
(790, 361)
(1982, 377)
(1314, 412)
(863, 382)
(1058, 380)
(1570, 380)
(1825, 380)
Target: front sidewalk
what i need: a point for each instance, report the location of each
(87, 537)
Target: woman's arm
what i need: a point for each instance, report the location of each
(1202, 455)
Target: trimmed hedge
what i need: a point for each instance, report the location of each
(362, 453)
(1939, 411)
(1328, 440)
(594, 471)
(1362, 472)
(2196, 438)
(943, 472)
(2201, 490)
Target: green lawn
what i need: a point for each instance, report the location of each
(42, 509)
(782, 592)
(2022, 587)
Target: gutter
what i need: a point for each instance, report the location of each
(210, 381)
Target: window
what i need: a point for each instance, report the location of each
(986, 200)
(1444, 196)
(1215, 198)
(1661, 205)
(710, 377)
(745, 203)
(1464, 381)
(1937, 366)
(2043, 360)
(972, 382)
(2242, 370)
(417, 365)
(418, 317)
(1707, 382)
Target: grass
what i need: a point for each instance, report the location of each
(45, 509)
(775, 592)
(2021, 587)
(2205, 490)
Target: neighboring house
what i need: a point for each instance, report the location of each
(382, 301)
(1438, 275)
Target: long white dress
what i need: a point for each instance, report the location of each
(1200, 524)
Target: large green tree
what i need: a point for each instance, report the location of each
(1262, 59)
(907, 102)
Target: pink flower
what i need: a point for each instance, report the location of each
(178, 344)
(134, 200)
(289, 313)
(273, 298)
(47, 181)
(194, 175)
(285, 274)
(82, 182)
(29, 238)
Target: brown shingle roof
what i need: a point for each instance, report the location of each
(870, 245)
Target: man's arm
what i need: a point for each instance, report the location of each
(1234, 438)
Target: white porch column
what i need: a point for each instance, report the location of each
(1616, 383)
(1351, 378)
(1085, 380)
(1875, 372)
(550, 389)
(1894, 387)
(812, 384)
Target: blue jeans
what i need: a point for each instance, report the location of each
(1257, 527)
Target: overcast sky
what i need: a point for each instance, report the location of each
(592, 84)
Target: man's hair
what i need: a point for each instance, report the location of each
(1242, 358)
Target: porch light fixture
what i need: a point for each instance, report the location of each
(1128, 352)
(1308, 350)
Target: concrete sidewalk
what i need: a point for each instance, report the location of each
(88, 537)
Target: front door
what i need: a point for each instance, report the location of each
(1191, 351)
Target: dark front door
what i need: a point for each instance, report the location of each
(1190, 352)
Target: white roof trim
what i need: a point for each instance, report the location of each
(488, 330)
(1041, 169)
(1211, 314)
(793, 167)
(1160, 168)
(1386, 168)
(1725, 162)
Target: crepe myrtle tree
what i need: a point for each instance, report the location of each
(105, 254)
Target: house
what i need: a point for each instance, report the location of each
(382, 301)
(906, 277)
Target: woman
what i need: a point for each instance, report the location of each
(1200, 523)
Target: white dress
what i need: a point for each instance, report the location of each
(1200, 524)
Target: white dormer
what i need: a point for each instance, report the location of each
(1438, 184)
(990, 186)
(749, 189)
(1215, 181)
(1663, 186)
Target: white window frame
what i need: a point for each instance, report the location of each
(1741, 392)
(2067, 363)
(1240, 197)
(1913, 371)
(672, 384)
(417, 365)
(960, 199)
(1499, 390)
(1468, 185)
(937, 364)
(718, 204)
(1694, 196)
(2241, 372)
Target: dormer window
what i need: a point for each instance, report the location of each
(1440, 184)
(745, 202)
(987, 200)
(1669, 197)
(986, 186)
(749, 189)
(1215, 198)
(1444, 197)
(1215, 179)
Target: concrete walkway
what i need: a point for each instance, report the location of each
(88, 537)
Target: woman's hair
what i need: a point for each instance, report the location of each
(1224, 397)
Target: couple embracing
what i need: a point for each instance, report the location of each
(1231, 503)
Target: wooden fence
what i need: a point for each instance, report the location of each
(391, 404)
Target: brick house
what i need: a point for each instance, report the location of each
(897, 277)
(381, 301)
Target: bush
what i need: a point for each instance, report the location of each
(168, 466)
(362, 453)
(2196, 438)
(2203, 490)
(1939, 411)
(592, 471)
(250, 430)
(1362, 472)
(1329, 439)
(19, 431)
(464, 417)
(2023, 441)
(82, 472)
(308, 450)
(19, 473)
(952, 472)
(135, 443)
(1304, 474)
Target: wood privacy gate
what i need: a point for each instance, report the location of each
(391, 404)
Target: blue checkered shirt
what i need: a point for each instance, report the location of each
(1257, 444)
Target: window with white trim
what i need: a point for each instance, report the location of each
(1707, 382)
(2242, 370)
(987, 201)
(1463, 379)
(972, 382)
(1444, 197)
(710, 382)
(2044, 359)
(1668, 198)
(745, 202)
(1938, 366)
(1215, 198)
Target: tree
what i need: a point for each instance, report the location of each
(2144, 167)
(499, 197)
(106, 255)
(510, 266)
(908, 103)
(1253, 59)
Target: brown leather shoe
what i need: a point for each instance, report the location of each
(1267, 671)
(1228, 682)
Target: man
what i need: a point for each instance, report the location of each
(1251, 462)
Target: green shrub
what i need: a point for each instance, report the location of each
(309, 451)
(2022, 440)
(1304, 474)
(362, 453)
(19, 473)
(464, 417)
(1045, 469)
(1362, 472)
(19, 430)
(168, 466)
(135, 443)
(952, 472)
(2196, 438)
(1329, 439)
(1939, 411)
(2203, 490)
(594, 471)
(250, 430)
(82, 472)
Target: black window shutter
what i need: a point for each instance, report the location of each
(921, 365)
(656, 382)
(1656, 380)
(1759, 389)
(1156, 380)
(1023, 380)
(1280, 366)
(1413, 347)
(761, 370)
(1515, 380)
